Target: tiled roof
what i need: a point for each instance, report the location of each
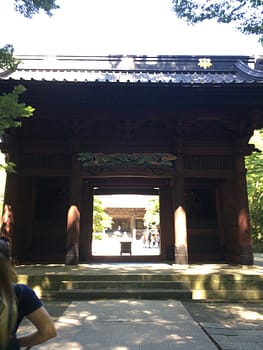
(184, 70)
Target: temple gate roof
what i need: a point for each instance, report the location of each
(180, 70)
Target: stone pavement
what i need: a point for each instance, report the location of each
(232, 326)
(156, 324)
(128, 325)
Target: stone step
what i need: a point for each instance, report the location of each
(118, 287)
(243, 285)
(127, 293)
(124, 277)
(113, 284)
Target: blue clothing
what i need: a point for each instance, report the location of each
(27, 302)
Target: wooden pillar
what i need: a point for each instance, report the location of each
(10, 199)
(242, 211)
(86, 221)
(75, 183)
(11, 191)
(75, 177)
(167, 223)
(73, 220)
(73, 227)
(11, 187)
(180, 229)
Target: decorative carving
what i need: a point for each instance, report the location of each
(126, 159)
(131, 171)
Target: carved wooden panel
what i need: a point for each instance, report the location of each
(209, 162)
(44, 161)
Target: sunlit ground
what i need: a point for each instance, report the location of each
(112, 247)
(236, 324)
(158, 268)
(230, 315)
(126, 325)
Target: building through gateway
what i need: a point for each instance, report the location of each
(131, 220)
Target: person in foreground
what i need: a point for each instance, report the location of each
(16, 302)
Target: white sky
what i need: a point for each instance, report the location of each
(125, 201)
(102, 27)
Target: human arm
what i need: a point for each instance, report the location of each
(45, 328)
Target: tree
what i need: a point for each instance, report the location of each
(7, 60)
(11, 110)
(152, 214)
(246, 14)
(29, 8)
(101, 220)
(254, 164)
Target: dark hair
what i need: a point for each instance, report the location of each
(8, 307)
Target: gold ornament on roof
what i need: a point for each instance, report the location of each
(205, 63)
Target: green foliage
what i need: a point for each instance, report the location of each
(7, 60)
(101, 220)
(246, 14)
(11, 110)
(254, 164)
(151, 217)
(97, 235)
(29, 8)
(11, 113)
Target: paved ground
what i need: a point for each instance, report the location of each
(156, 324)
(152, 324)
(128, 325)
(232, 326)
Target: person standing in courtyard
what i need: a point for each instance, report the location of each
(144, 239)
(149, 239)
(16, 302)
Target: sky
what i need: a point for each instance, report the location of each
(103, 27)
(125, 201)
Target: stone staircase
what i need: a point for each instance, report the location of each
(206, 282)
(124, 286)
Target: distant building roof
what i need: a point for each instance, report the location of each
(184, 70)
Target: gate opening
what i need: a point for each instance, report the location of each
(126, 224)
